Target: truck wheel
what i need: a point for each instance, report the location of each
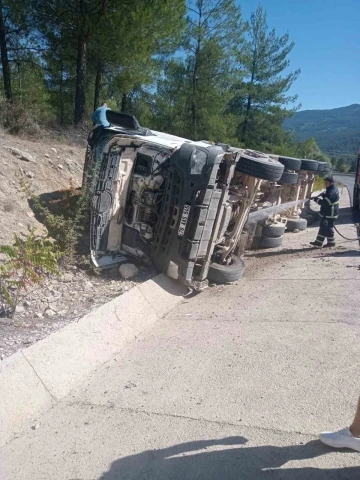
(324, 167)
(309, 165)
(309, 218)
(274, 230)
(290, 163)
(288, 178)
(260, 167)
(270, 242)
(227, 273)
(296, 224)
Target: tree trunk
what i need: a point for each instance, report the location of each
(80, 92)
(249, 99)
(124, 102)
(98, 78)
(4, 56)
(194, 110)
(61, 95)
(246, 120)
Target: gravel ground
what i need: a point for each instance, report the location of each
(61, 301)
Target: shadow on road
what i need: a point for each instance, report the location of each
(346, 253)
(232, 461)
(286, 251)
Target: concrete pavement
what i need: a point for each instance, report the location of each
(235, 383)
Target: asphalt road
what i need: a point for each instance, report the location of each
(235, 384)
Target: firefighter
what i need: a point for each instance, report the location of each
(329, 211)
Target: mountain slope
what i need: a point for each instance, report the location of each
(336, 131)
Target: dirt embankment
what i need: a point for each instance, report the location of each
(49, 165)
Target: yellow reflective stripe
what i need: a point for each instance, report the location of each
(329, 202)
(329, 216)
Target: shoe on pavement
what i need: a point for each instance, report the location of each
(341, 439)
(316, 245)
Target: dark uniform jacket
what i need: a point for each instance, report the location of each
(329, 202)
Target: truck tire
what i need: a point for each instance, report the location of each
(270, 242)
(264, 167)
(324, 167)
(226, 273)
(274, 230)
(309, 165)
(288, 178)
(309, 218)
(290, 163)
(296, 224)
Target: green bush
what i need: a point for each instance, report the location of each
(16, 119)
(64, 219)
(24, 264)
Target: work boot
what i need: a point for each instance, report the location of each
(315, 244)
(330, 244)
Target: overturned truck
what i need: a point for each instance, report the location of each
(179, 204)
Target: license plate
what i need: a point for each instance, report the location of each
(183, 221)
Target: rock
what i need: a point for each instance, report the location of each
(19, 309)
(39, 315)
(27, 157)
(36, 426)
(72, 168)
(39, 325)
(27, 303)
(53, 149)
(128, 270)
(49, 313)
(20, 225)
(67, 277)
(60, 167)
(47, 155)
(88, 285)
(30, 214)
(30, 174)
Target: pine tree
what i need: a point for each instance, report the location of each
(14, 31)
(261, 97)
(105, 45)
(194, 91)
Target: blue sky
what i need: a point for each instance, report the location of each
(327, 47)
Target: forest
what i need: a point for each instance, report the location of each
(337, 132)
(194, 68)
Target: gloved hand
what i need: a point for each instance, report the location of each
(314, 198)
